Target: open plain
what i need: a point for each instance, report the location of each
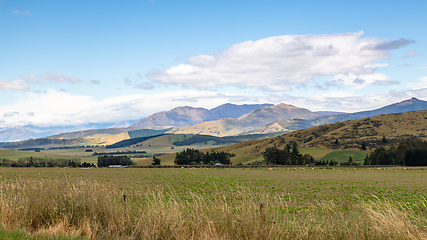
(216, 203)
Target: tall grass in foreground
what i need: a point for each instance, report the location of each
(95, 210)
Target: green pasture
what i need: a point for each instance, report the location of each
(15, 155)
(316, 152)
(342, 156)
(298, 187)
(243, 155)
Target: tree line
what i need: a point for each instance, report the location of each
(105, 161)
(44, 162)
(411, 152)
(290, 155)
(192, 156)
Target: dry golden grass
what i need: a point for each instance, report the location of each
(107, 139)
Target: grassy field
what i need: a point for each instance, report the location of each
(253, 203)
(15, 155)
(344, 155)
(244, 155)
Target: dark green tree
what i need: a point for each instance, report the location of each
(363, 147)
(193, 156)
(105, 160)
(156, 161)
(384, 140)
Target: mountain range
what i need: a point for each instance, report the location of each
(283, 117)
(224, 120)
(248, 122)
(187, 116)
(179, 116)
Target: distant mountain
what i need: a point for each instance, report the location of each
(224, 120)
(248, 122)
(187, 116)
(180, 116)
(283, 117)
(15, 134)
(29, 131)
(409, 105)
(229, 110)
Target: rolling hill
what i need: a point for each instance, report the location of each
(350, 134)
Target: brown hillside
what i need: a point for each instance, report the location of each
(350, 134)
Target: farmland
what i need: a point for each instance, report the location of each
(218, 203)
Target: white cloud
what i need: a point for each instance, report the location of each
(278, 63)
(409, 54)
(371, 78)
(18, 12)
(360, 80)
(13, 85)
(29, 76)
(385, 82)
(10, 114)
(55, 77)
(421, 84)
(375, 65)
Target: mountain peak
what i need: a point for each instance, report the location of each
(286, 106)
(413, 101)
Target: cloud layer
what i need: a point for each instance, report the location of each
(278, 63)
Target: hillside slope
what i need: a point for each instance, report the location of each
(350, 134)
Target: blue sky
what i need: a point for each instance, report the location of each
(73, 62)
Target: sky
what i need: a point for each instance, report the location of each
(77, 62)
